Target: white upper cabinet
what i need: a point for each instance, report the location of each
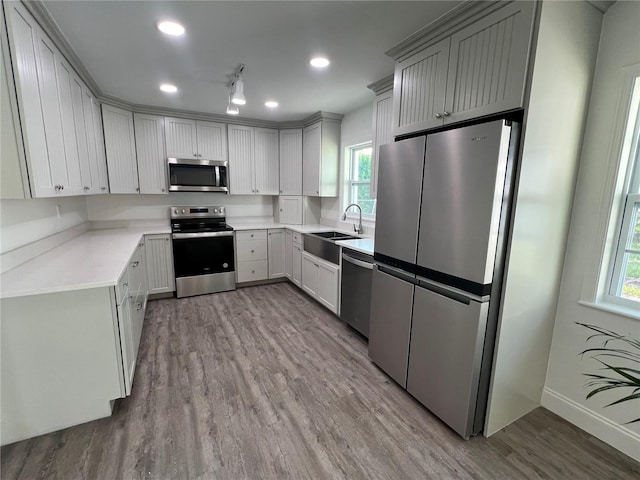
(181, 138)
(211, 139)
(420, 93)
(103, 179)
(121, 150)
(59, 127)
(382, 122)
(320, 158)
(266, 168)
(291, 162)
(152, 161)
(241, 180)
(195, 139)
(253, 161)
(479, 70)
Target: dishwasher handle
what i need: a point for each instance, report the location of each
(359, 263)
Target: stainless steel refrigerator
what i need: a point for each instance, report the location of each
(441, 233)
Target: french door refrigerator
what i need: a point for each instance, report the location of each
(441, 228)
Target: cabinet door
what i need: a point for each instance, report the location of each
(276, 253)
(101, 159)
(419, 89)
(382, 123)
(152, 162)
(266, 168)
(180, 135)
(328, 285)
(81, 134)
(126, 343)
(23, 36)
(296, 265)
(311, 159)
(92, 141)
(488, 64)
(309, 274)
(159, 262)
(241, 179)
(212, 140)
(291, 162)
(48, 56)
(121, 150)
(288, 254)
(290, 210)
(65, 78)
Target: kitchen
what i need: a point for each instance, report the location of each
(28, 225)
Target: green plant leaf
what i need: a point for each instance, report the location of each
(621, 372)
(601, 389)
(625, 399)
(632, 421)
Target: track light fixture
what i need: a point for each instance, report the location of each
(232, 109)
(237, 85)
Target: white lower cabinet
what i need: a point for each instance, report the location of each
(321, 280)
(276, 253)
(293, 257)
(252, 256)
(296, 265)
(159, 256)
(288, 254)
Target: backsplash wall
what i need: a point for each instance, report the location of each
(108, 208)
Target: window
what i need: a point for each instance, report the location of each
(360, 181)
(625, 279)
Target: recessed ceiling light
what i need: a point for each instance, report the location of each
(319, 62)
(168, 88)
(171, 28)
(271, 104)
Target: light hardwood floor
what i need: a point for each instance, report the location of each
(264, 383)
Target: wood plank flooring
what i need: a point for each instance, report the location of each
(264, 383)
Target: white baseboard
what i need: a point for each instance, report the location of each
(617, 436)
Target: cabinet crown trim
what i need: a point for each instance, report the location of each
(381, 86)
(444, 26)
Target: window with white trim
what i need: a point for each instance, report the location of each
(624, 286)
(359, 181)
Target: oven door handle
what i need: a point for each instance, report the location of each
(179, 236)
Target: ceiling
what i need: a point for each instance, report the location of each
(127, 56)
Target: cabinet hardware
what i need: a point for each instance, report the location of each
(446, 114)
(139, 306)
(195, 154)
(257, 190)
(280, 192)
(103, 188)
(251, 251)
(253, 271)
(163, 189)
(438, 115)
(135, 264)
(125, 284)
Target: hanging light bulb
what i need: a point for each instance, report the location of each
(238, 91)
(232, 109)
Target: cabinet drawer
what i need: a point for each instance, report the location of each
(250, 250)
(251, 271)
(297, 237)
(252, 235)
(122, 288)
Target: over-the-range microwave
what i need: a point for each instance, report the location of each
(188, 175)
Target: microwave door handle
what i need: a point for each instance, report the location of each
(217, 168)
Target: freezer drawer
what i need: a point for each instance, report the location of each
(447, 339)
(390, 324)
(462, 199)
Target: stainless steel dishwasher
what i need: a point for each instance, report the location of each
(357, 269)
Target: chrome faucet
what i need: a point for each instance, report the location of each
(359, 228)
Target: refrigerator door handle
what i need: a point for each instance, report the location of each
(451, 292)
(396, 272)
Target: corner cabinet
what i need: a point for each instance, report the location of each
(253, 161)
(120, 145)
(479, 70)
(320, 159)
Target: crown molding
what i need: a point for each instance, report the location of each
(51, 28)
(381, 86)
(444, 26)
(320, 116)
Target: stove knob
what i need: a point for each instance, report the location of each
(215, 210)
(225, 265)
(183, 210)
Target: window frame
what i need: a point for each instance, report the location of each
(350, 183)
(629, 203)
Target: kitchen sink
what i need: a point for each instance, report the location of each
(323, 244)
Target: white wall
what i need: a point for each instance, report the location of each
(25, 221)
(156, 207)
(565, 384)
(356, 128)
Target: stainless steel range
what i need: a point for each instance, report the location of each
(203, 253)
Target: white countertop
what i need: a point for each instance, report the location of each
(362, 245)
(94, 259)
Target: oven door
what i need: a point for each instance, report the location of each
(202, 253)
(186, 175)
